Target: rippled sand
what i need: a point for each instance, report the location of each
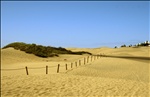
(102, 77)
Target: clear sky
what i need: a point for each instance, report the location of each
(75, 23)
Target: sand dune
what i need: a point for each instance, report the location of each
(140, 51)
(102, 77)
(12, 58)
(62, 85)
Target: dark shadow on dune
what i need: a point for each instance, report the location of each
(130, 57)
(136, 58)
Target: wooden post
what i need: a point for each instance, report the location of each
(76, 64)
(27, 70)
(84, 60)
(91, 58)
(80, 62)
(46, 69)
(58, 68)
(66, 67)
(87, 59)
(71, 65)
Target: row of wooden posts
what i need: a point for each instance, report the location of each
(85, 61)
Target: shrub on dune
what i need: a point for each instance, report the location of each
(42, 51)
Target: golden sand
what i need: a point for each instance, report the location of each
(102, 77)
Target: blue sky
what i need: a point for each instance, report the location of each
(75, 23)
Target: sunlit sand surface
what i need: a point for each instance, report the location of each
(102, 77)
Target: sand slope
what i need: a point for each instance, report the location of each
(75, 86)
(103, 77)
(140, 51)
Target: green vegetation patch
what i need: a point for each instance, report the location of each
(42, 51)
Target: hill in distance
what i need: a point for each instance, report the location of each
(42, 51)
